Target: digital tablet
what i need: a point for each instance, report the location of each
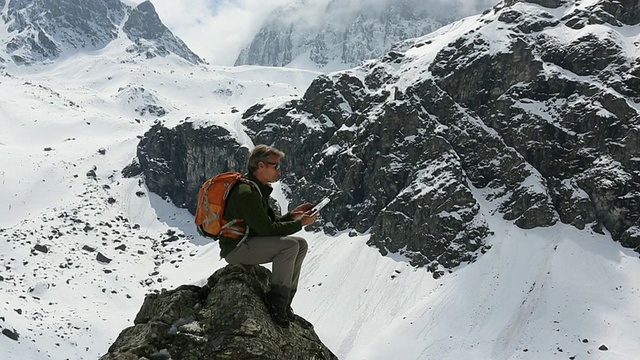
(319, 205)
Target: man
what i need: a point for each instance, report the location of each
(269, 239)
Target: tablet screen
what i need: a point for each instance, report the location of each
(320, 205)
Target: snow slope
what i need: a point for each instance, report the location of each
(68, 286)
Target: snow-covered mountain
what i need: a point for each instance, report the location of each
(81, 244)
(342, 33)
(534, 104)
(36, 31)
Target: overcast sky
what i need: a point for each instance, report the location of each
(218, 29)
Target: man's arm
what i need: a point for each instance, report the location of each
(256, 217)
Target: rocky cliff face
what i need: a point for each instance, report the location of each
(176, 162)
(343, 31)
(46, 29)
(531, 109)
(209, 322)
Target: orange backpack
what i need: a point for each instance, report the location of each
(212, 199)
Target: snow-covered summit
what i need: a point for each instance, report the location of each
(44, 30)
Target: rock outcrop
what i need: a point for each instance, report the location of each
(225, 319)
(175, 162)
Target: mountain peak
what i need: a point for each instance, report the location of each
(45, 30)
(151, 37)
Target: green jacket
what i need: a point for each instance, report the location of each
(246, 203)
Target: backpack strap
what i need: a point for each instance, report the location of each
(230, 223)
(251, 182)
(246, 235)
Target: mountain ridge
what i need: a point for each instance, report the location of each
(46, 30)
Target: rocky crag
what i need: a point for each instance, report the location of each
(45, 30)
(175, 162)
(209, 322)
(531, 109)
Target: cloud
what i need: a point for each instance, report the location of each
(215, 29)
(462, 8)
(218, 29)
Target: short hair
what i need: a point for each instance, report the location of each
(261, 153)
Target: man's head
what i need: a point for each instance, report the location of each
(264, 163)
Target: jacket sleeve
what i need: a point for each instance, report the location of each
(285, 217)
(255, 215)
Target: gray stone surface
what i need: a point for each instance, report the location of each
(225, 319)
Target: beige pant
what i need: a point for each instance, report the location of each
(285, 252)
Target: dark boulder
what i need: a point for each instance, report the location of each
(225, 319)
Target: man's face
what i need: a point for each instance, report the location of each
(271, 169)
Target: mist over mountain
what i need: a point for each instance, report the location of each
(345, 32)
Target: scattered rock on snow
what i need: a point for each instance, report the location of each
(11, 334)
(41, 248)
(103, 259)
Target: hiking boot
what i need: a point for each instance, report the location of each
(276, 300)
(298, 319)
(303, 322)
(290, 315)
(278, 315)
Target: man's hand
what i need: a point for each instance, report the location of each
(304, 207)
(300, 210)
(307, 219)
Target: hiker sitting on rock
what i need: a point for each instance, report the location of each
(269, 238)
